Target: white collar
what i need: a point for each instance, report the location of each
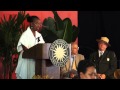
(73, 55)
(101, 51)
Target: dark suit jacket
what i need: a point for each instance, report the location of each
(107, 64)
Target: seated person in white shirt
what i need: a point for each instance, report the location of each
(70, 69)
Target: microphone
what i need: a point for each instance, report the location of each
(38, 39)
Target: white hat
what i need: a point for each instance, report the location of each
(104, 39)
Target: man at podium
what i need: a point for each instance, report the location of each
(26, 67)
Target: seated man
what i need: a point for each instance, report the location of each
(70, 69)
(86, 70)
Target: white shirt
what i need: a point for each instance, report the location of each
(71, 61)
(28, 39)
(100, 52)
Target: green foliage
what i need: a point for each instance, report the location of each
(56, 28)
(59, 22)
(49, 32)
(67, 30)
(10, 31)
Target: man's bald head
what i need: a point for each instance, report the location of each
(74, 48)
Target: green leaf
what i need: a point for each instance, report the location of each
(67, 30)
(59, 22)
(60, 33)
(64, 28)
(5, 19)
(48, 31)
(49, 36)
(75, 33)
(49, 24)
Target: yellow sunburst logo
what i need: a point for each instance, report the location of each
(59, 52)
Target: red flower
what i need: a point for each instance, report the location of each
(16, 56)
(13, 56)
(1, 59)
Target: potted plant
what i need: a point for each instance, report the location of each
(56, 28)
(10, 31)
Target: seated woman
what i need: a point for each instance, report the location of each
(86, 70)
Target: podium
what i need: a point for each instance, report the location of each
(43, 65)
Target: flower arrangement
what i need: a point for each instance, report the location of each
(41, 77)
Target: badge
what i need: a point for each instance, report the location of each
(108, 59)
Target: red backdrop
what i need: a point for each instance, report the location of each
(44, 14)
(73, 15)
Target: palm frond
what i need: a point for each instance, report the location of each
(9, 35)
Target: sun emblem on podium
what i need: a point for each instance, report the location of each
(59, 52)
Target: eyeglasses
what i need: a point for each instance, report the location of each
(75, 48)
(93, 74)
